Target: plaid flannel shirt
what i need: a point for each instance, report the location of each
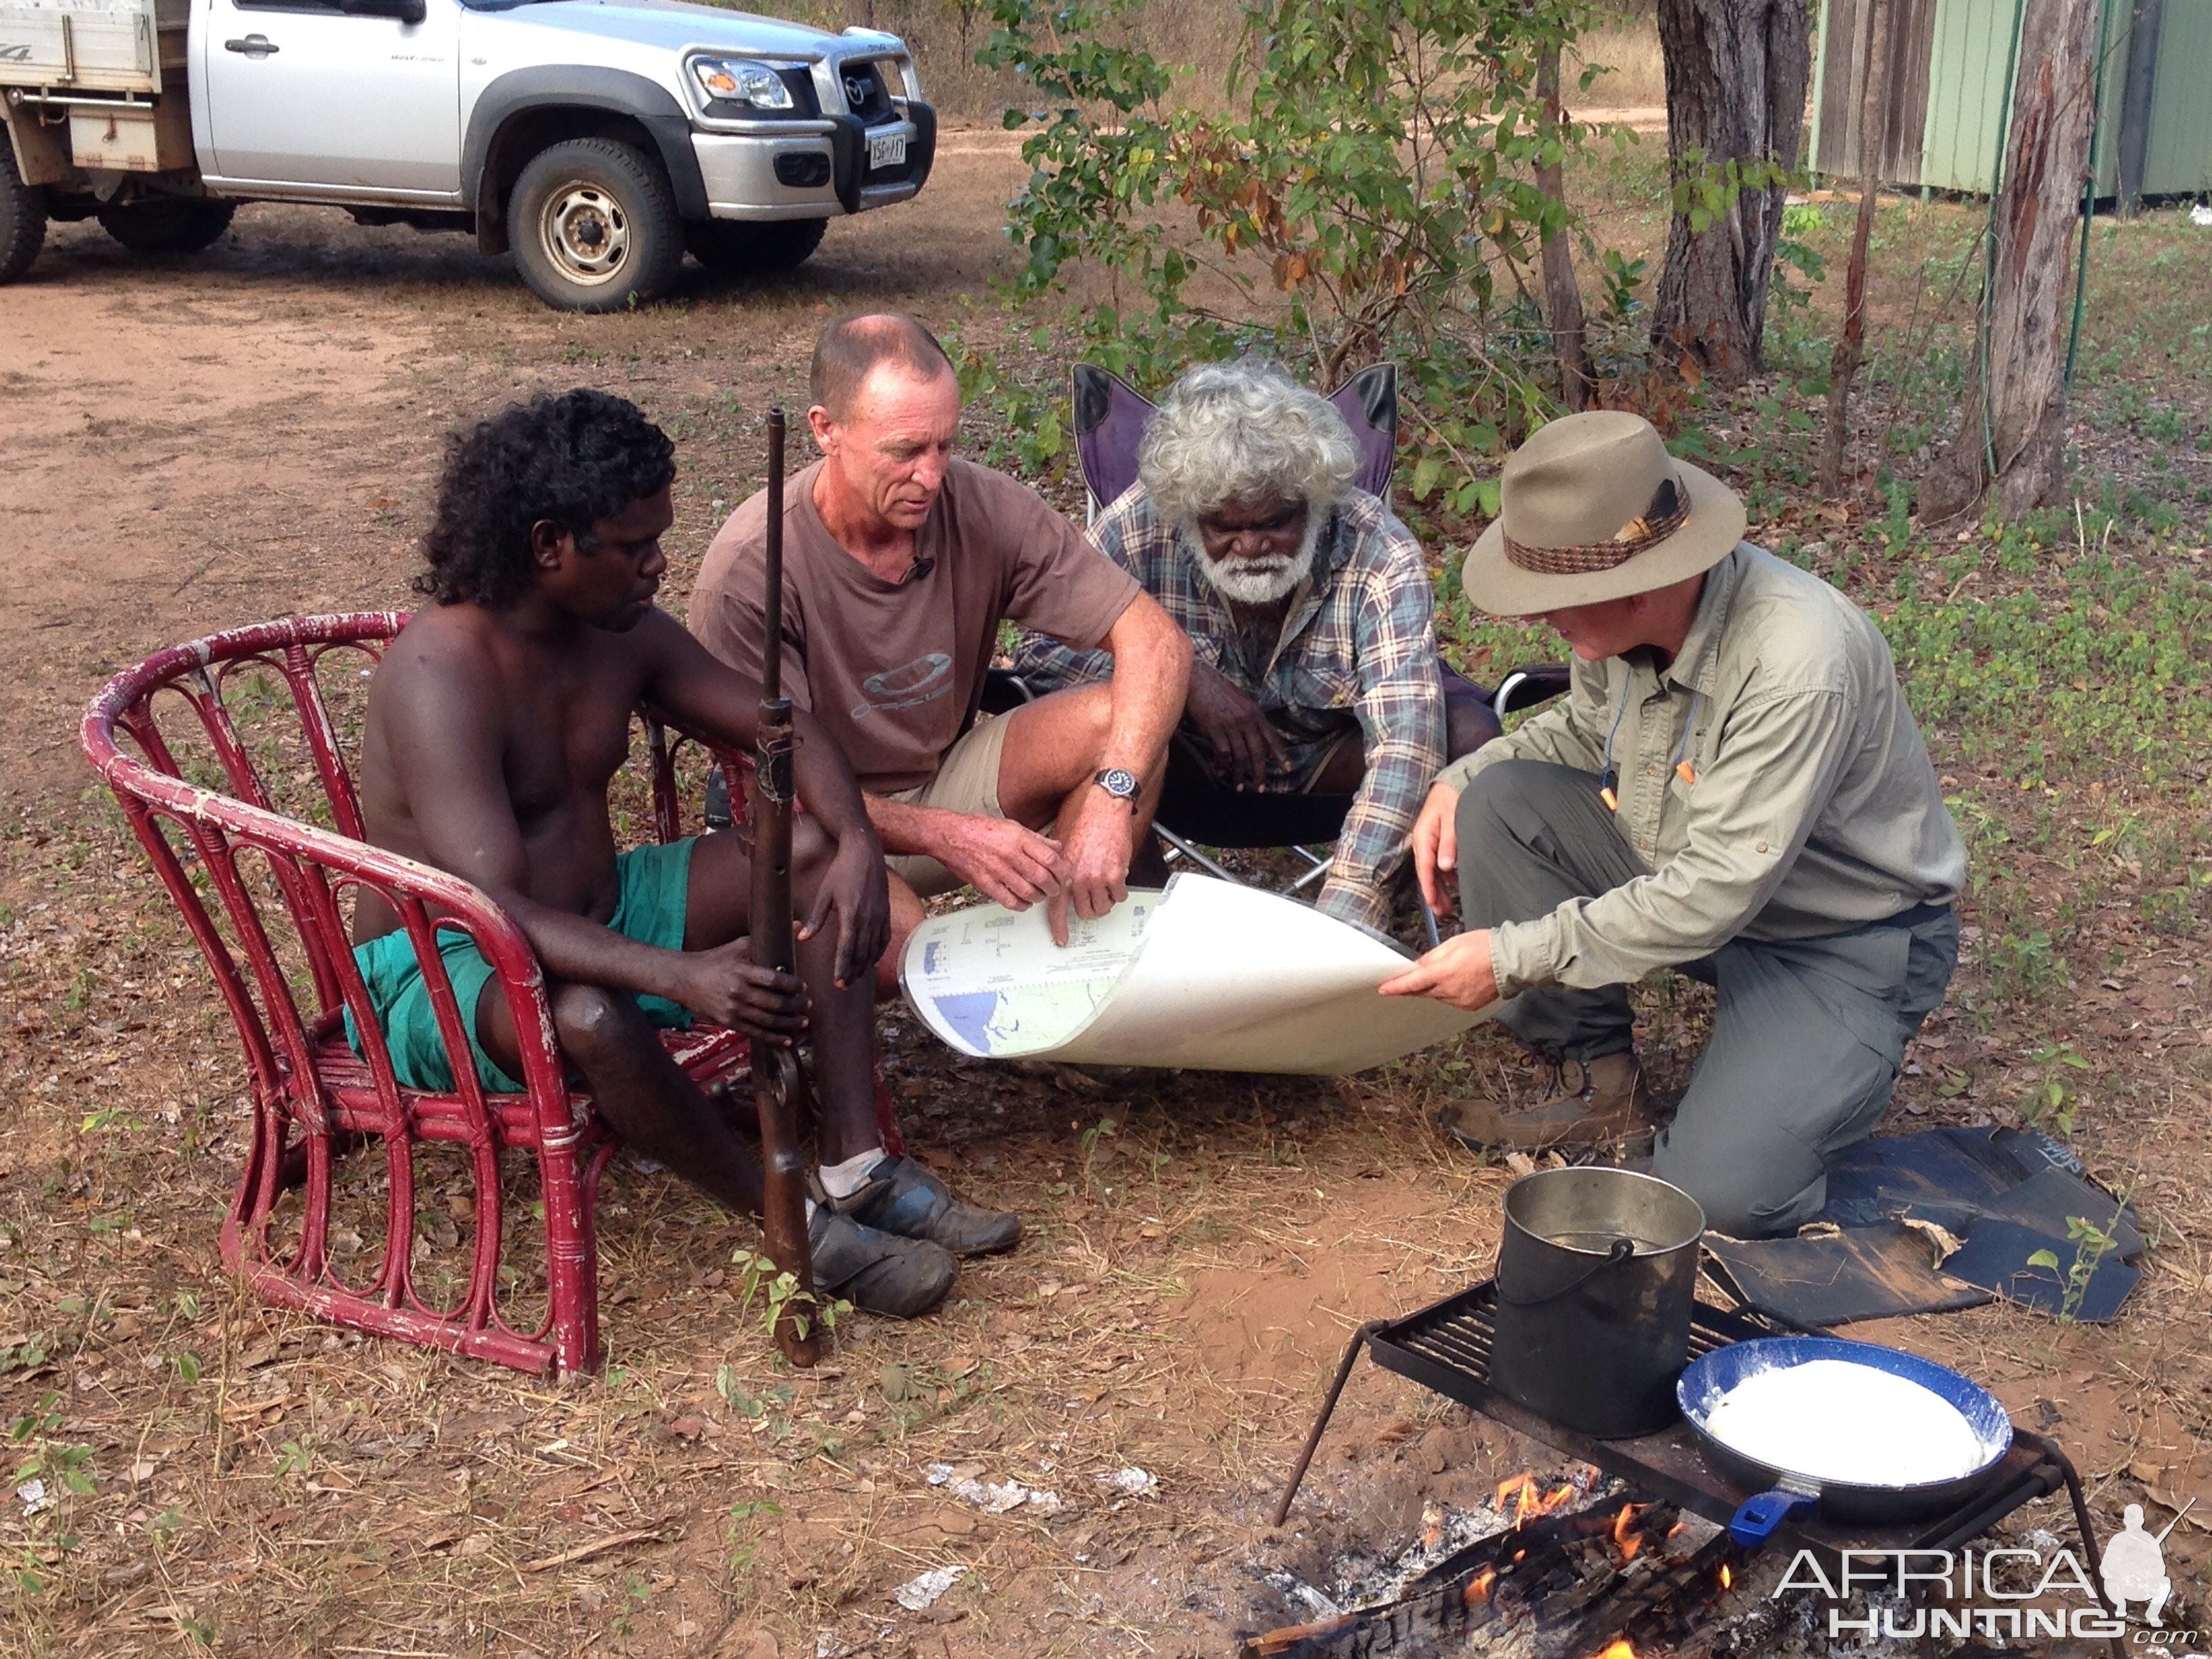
(1360, 646)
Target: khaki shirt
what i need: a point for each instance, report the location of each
(1815, 808)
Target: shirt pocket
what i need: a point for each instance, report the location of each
(1328, 686)
(1681, 793)
(1677, 798)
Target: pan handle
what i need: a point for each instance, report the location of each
(1622, 1249)
(1756, 1519)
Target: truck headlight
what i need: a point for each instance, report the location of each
(741, 81)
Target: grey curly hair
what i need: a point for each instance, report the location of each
(1243, 432)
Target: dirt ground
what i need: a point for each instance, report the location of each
(193, 445)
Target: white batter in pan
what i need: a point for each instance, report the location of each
(1834, 1420)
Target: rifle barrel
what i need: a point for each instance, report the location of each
(2176, 1521)
(772, 661)
(778, 1082)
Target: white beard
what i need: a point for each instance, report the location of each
(1254, 581)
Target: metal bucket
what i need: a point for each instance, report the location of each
(1596, 1277)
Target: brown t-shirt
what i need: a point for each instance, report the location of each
(895, 670)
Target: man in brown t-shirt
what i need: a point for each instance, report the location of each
(899, 563)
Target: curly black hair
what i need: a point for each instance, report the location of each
(574, 460)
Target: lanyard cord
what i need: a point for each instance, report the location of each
(1611, 778)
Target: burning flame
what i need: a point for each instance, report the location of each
(1620, 1649)
(1528, 1500)
(1728, 1578)
(1478, 1588)
(1624, 1540)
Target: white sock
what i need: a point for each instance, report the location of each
(843, 1180)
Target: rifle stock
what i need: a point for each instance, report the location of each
(779, 1085)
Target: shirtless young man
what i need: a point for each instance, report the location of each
(496, 720)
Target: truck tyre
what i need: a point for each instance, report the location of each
(594, 226)
(730, 247)
(167, 224)
(22, 216)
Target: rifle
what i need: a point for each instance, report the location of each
(779, 1085)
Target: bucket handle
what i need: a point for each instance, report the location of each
(1622, 1249)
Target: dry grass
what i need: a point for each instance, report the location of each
(1627, 52)
(945, 35)
(1202, 36)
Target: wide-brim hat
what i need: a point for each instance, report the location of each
(1593, 508)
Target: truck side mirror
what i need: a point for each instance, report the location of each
(404, 11)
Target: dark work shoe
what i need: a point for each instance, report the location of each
(878, 1272)
(903, 1198)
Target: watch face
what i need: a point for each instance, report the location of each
(1119, 783)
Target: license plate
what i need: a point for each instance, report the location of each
(888, 151)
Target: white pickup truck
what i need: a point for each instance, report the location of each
(598, 139)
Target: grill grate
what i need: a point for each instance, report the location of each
(1446, 1347)
(1449, 1342)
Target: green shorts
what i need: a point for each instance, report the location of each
(651, 884)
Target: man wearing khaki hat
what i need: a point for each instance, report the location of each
(1734, 787)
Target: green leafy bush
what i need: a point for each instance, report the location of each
(1368, 194)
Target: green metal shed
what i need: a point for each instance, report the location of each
(1946, 83)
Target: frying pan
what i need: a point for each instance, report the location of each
(1789, 1492)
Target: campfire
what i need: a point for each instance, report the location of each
(1623, 1554)
(1574, 1566)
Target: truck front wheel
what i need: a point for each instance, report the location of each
(730, 247)
(167, 224)
(22, 216)
(594, 226)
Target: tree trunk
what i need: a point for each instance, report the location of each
(1563, 296)
(1851, 341)
(2011, 445)
(1736, 72)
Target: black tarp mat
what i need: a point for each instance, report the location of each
(1832, 1277)
(2002, 1194)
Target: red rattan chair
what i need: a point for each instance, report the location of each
(276, 941)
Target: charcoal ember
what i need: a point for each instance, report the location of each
(1559, 1586)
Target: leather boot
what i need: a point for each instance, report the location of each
(901, 1197)
(876, 1272)
(1600, 1102)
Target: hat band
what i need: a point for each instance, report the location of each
(1671, 512)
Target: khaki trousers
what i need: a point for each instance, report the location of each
(967, 780)
(1808, 1036)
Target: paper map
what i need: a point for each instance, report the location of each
(1206, 974)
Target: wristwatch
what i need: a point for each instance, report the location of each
(1119, 783)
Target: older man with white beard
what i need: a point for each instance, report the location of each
(1314, 670)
